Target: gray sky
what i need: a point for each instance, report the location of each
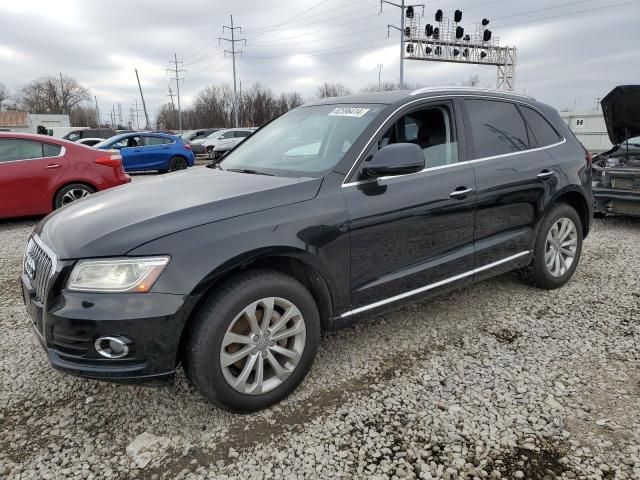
(296, 44)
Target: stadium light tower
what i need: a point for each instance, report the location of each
(449, 41)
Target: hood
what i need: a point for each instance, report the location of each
(621, 108)
(118, 220)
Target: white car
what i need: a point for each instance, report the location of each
(89, 142)
(228, 139)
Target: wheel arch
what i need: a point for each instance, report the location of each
(295, 263)
(66, 184)
(577, 200)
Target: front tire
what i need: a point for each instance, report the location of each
(253, 342)
(71, 193)
(557, 248)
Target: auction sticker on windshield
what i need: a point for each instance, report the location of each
(348, 112)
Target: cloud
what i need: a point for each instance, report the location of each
(299, 44)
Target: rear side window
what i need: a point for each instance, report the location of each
(543, 133)
(242, 133)
(497, 128)
(51, 150)
(14, 149)
(156, 141)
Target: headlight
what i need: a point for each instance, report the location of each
(119, 275)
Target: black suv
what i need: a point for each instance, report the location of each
(331, 212)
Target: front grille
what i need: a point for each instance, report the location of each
(39, 265)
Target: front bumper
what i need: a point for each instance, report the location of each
(68, 324)
(612, 200)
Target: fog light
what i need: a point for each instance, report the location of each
(112, 347)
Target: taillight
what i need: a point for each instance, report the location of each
(110, 160)
(187, 146)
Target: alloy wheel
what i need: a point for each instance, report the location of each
(263, 345)
(74, 194)
(560, 246)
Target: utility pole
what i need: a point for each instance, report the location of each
(144, 105)
(403, 9)
(173, 105)
(120, 113)
(136, 110)
(113, 116)
(233, 40)
(379, 67)
(97, 111)
(177, 79)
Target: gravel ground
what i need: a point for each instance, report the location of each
(498, 380)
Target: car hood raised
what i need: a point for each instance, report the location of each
(621, 108)
(115, 221)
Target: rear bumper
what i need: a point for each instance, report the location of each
(610, 200)
(68, 324)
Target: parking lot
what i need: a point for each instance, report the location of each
(498, 380)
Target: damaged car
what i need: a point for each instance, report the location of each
(616, 172)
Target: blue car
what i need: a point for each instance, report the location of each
(150, 151)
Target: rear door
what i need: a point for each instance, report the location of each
(156, 152)
(413, 233)
(29, 170)
(515, 180)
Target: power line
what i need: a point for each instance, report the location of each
(177, 78)
(290, 19)
(579, 12)
(233, 40)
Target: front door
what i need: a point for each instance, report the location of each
(413, 233)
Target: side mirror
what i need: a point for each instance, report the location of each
(395, 159)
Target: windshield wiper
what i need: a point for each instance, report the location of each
(248, 170)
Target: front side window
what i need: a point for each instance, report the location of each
(543, 133)
(15, 149)
(497, 128)
(242, 133)
(429, 128)
(227, 135)
(306, 141)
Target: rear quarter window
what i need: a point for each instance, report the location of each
(542, 132)
(497, 128)
(50, 150)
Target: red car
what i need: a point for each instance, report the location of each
(39, 174)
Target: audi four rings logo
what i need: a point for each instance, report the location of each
(30, 266)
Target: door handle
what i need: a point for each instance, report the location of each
(53, 165)
(460, 192)
(545, 175)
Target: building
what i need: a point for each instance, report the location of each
(24, 122)
(590, 128)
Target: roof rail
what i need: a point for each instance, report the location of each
(467, 89)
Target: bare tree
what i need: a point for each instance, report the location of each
(4, 94)
(52, 95)
(384, 87)
(332, 90)
(213, 107)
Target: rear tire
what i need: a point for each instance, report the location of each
(178, 163)
(71, 193)
(557, 249)
(223, 331)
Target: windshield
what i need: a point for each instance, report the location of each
(187, 135)
(634, 140)
(307, 141)
(216, 134)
